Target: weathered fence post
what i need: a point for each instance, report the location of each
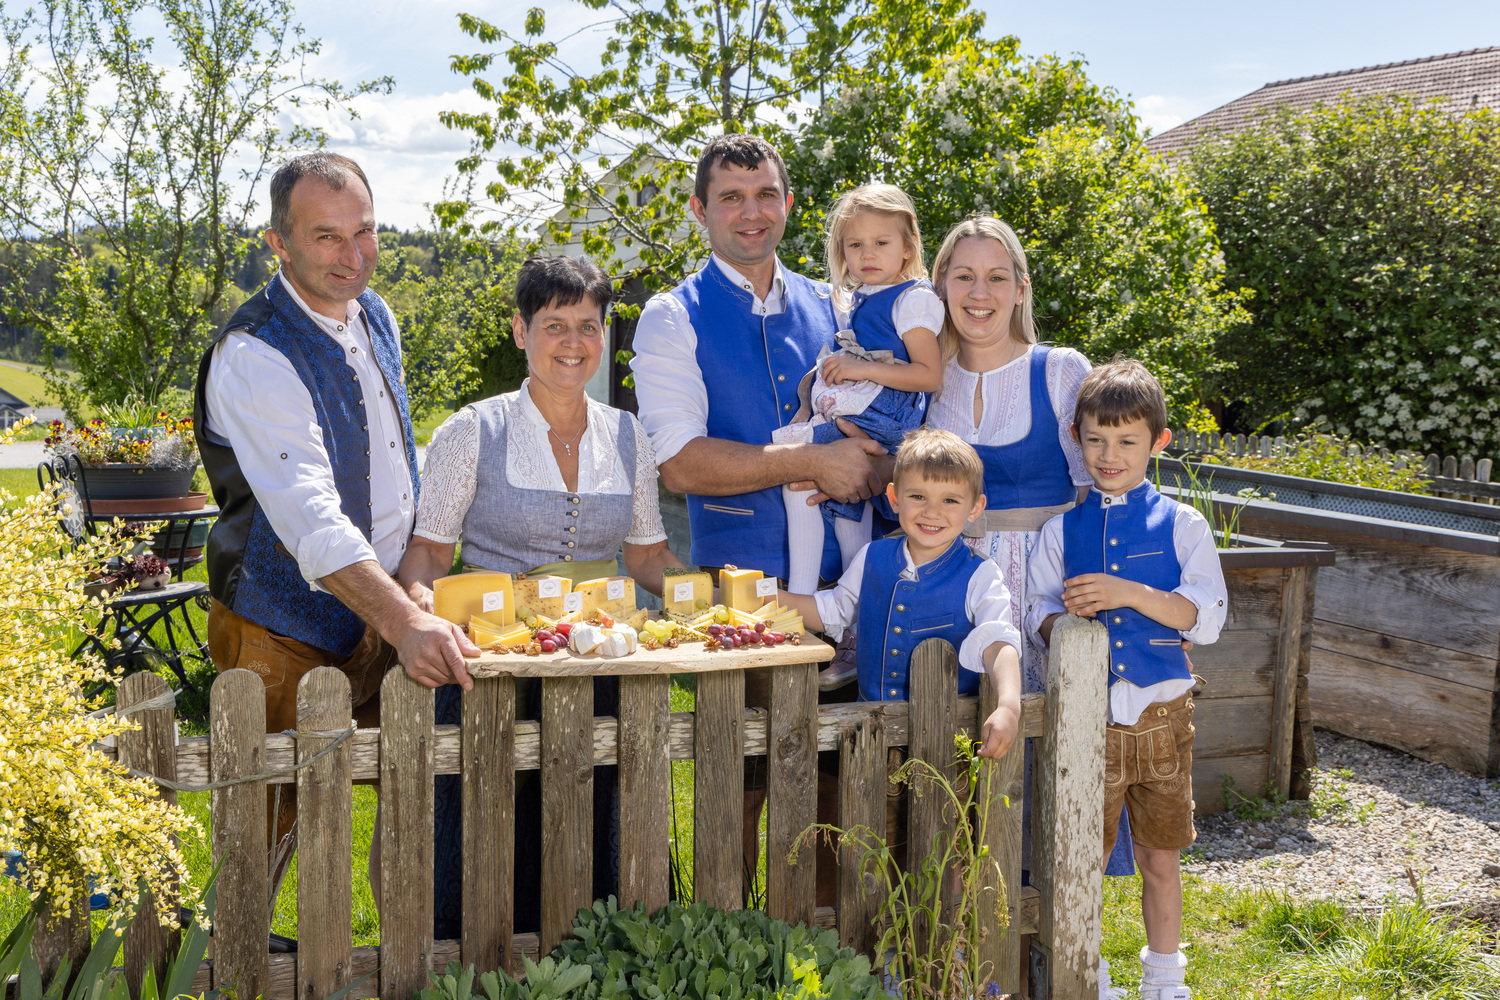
(1002, 948)
(325, 835)
(489, 823)
(1284, 688)
(791, 791)
(152, 749)
(934, 711)
(863, 784)
(242, 917)
(645, 790)
(718, 788)
(1068, 808)
(567, 804)
(406, 765)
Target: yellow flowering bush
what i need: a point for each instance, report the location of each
(75, 816)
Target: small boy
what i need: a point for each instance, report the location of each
(1147, 567)
(928, 585)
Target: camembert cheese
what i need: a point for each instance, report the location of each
(459, 597)
(686, 592)
(614, 595)
(542, 595)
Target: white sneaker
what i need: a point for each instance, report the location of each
(1174, 991)
(1107, 991)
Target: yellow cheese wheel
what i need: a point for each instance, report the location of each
(459, 597)
(542, 595)
(745, 589)
(614, 595)
(682, 590)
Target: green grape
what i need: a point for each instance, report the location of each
(722, 616)
(701, 603)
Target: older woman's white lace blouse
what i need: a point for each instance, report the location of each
(452, 464)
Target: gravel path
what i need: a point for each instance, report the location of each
(1374, 813)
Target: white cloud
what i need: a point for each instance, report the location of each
(1160, 112)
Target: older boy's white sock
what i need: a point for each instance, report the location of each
(804, 536)
(1162, 976)
(852, 535)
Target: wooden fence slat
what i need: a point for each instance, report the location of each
(567, 804)
(1001, 949)
(1466, 468)
(151, 748)
(1284, 695)
(489, 822)
(1430, 464)
(934, 708)
(718, 789)
(406, 738)
(1239, 444)
(862, 798)
(1482, 470)
(791, 791)
(645, 791)
(1068, 808)
(242, 918)
(1450, 467)
(325, 838)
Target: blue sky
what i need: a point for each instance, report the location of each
(1175, 59)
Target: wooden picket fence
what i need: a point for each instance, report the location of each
(1062, 907)
(1453, 477)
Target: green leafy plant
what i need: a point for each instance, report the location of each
(1224, 519)
(1253, 808)
(1330, 458)
(1301, 924)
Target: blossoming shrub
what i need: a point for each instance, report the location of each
(75, 817)
(1367, 228)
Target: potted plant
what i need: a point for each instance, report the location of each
(132, 451)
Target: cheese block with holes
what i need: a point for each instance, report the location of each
(686, 592)
(459, 597)
(614, 595)
(744, 589)
(542, 595)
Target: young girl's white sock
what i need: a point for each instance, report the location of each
(1163, 976)
(852, 535)
(804, 535)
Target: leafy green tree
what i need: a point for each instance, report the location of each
(127, 164)
(1368, 229)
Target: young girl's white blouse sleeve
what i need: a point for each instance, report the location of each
(1065, 371)
(645, 526)
(917, 308)
(449, 477)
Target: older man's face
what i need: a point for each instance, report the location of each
(745, 213)
(330, 248)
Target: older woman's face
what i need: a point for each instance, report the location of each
(563, 344)
(981, 291)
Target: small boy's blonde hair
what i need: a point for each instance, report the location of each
(886, 199)
(940, 455)
(1121, 392)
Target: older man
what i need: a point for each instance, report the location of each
(302, 422)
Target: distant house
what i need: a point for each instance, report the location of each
(12, 409)
(1460, 80)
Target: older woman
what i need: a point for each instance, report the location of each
(540, 480)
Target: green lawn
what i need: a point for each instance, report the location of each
(26, 381)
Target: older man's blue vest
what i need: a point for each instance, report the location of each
(751, 368)
(249, 570)
(1131, 540)
(896, 615)
(1031, 472)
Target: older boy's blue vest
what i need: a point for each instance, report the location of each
(1031, 472)
(751, 368)
(249, 570)
(1131, 540)
(873, 325)
(896, 615)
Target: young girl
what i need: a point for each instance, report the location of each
(880, 371)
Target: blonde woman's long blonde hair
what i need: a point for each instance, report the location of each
(1022, 323)
(886, 199)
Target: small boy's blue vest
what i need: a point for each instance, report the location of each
(1132, 540)
(1031, 472)
(249, 570)
(896, 615)
(751, 368)
(872, 322)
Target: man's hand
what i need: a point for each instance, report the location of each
(880, 461)
(841, 368)
(1088, 594)
(432, 651)
(421, 595)
(847, 473)
(999, 731)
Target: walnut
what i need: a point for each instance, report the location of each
(796, 639)
(535, 649)
(518, 649)
(650, 643)
(711, 643)
(672, 642)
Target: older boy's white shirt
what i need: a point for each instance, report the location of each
(987, 602)
(671, 399)
(1202, 584)
(257, 403)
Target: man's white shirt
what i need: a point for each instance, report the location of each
(258, 405)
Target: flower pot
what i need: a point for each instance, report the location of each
(136, 482)
(194, 536)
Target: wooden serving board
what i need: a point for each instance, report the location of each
(687, 658)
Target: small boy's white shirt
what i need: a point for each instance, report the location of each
(1202, 584)
(987, 602)
(917, 308)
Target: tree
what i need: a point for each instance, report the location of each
(1368, 228)
(135, 179)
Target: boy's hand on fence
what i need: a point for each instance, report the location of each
(1090, 593)
(999, 731)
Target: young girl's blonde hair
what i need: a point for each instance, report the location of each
(887, 199)
(1022, 323)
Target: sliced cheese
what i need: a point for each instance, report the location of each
(459, 597)
(484, 635)
(542, 595)
(683, 589)
(614, 595)
(745, 589)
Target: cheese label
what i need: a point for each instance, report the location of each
(549, 588)
(572, 602)
(765, 588)
(682, 592)
(615, 590)
(494, 601)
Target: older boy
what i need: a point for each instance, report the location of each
(1146, 566)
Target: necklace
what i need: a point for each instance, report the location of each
(568, 445)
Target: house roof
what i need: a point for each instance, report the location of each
(1462, 79)
(12, 400)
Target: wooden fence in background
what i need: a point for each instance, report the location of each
(1063, 907)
